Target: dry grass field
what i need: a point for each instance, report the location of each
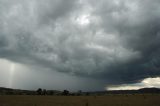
(109, 100)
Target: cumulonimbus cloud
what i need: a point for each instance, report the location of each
(117, 40)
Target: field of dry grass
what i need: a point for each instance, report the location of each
(109, 100)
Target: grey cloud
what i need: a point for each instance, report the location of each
(137, 25)
(120, 44)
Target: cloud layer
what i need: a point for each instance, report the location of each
(116, 41)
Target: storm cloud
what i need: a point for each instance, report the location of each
(115, 41)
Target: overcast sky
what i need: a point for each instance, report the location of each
(79, 44)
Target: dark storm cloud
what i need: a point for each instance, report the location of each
(117, 41)
(137, 25)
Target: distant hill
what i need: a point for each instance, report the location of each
(140, 91)
(9, 91)
(149, 90)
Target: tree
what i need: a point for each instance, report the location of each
(44, 92)
(50, 92)
(65, 92)
(39, 91)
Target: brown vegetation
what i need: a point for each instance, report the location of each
(108, 100)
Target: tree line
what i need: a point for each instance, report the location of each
(64, 92)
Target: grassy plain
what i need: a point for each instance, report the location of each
(108, 100)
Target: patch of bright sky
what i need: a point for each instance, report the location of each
(83, 19)
(146, 83)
